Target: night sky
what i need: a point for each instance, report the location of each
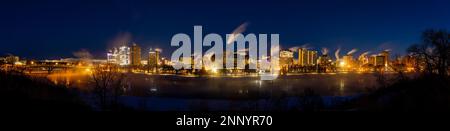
(56, 29)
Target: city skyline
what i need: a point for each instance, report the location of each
(55, 29)
(224, 63)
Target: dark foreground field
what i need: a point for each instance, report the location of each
(422, 93)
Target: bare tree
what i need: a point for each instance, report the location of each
(109, 84)
(433, 54)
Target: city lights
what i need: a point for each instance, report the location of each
(290, 62)
(88, 70)
(223, 64)
(214, 70)
(342, 64)
(230, 56)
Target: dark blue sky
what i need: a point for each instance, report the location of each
(54, 29)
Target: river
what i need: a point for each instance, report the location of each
(330, 84)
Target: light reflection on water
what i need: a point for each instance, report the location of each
(341, 86)
(180, 86)
(76, 80)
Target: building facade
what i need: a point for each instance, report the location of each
(307, 57)
(120, 56)
(135, 55)
(153, 60)
(286, 58)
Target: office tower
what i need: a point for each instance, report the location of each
(135, 55)
(153, 59)
(307, 57)
(120, 56)
(301, 56)
(286, 58)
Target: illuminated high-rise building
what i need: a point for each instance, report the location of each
(301, 56)
(111, 56)
(372, 60)
(380, 60)
(385, 54)
(312, 57)
(286, 58)
(135, 55)
(124, 55)
(307, 57)
(11, 59)
(153, 59)
(120, 56)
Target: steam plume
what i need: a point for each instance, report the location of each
(324, 51)
(363, 55)
(121, 39)
(336, 54)
(352, 51)
(236, 31)
(295, 48)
